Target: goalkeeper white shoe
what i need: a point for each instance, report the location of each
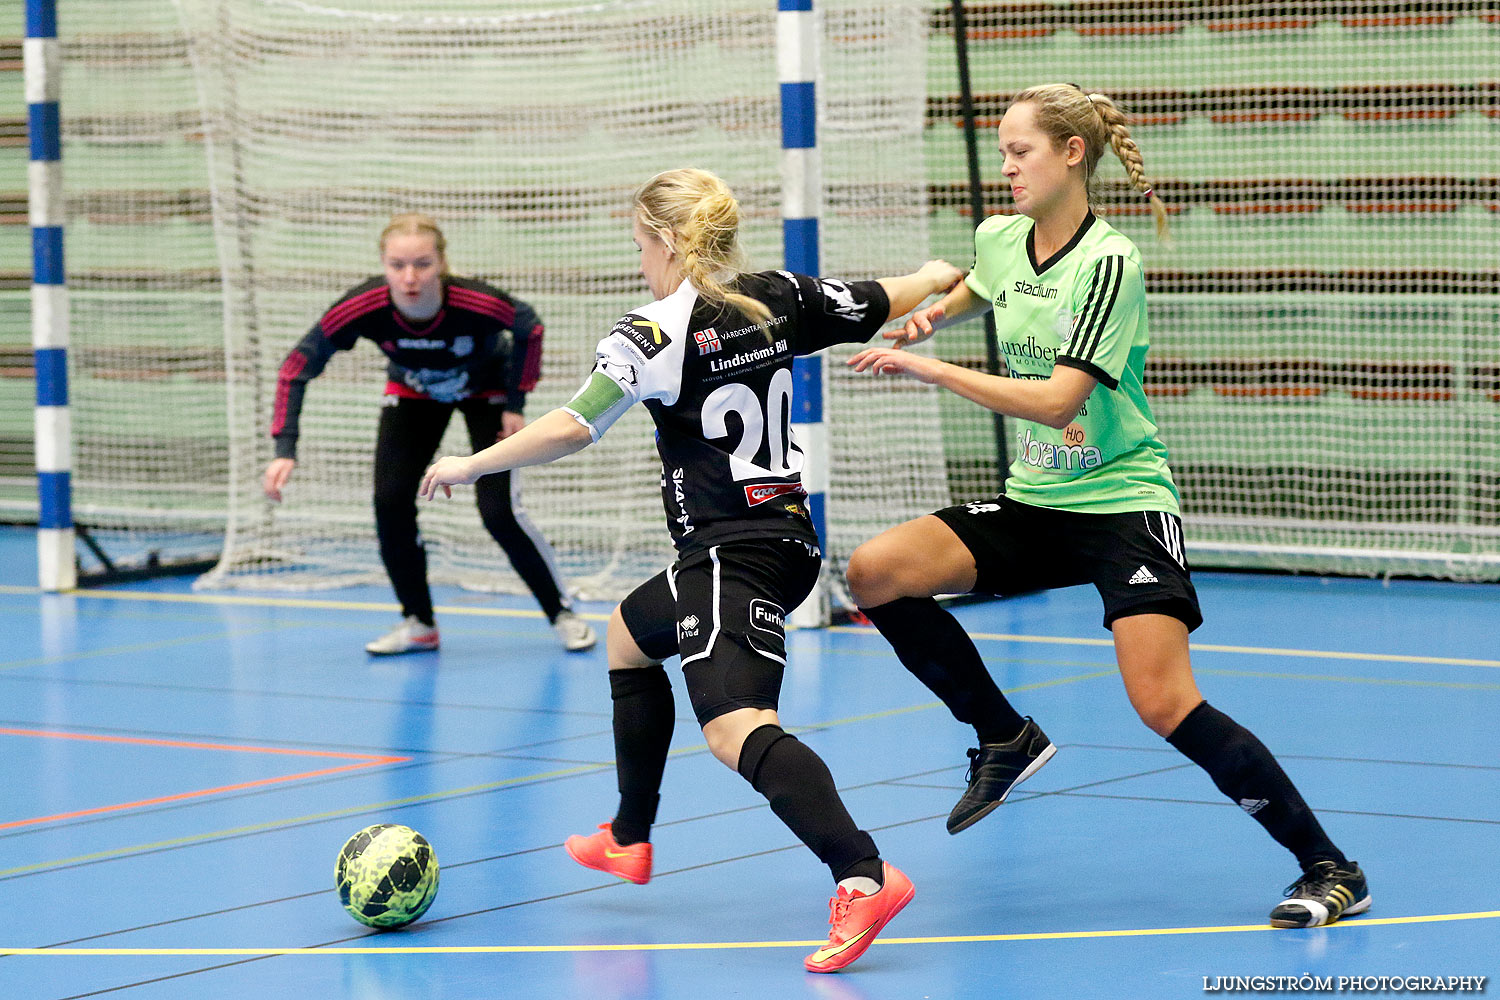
(411, 636)
(575, 633)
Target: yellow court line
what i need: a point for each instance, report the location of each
(1204, 647)
(1376, 681)
(511, 949)
(1329, 654)
(1056, 640)
(287, 602)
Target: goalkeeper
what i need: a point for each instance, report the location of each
(1090, 498)
(453, 344)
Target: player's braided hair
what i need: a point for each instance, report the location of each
(1064, 110)
(697, 216)
(416, 224)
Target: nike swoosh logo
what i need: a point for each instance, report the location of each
(823, 954)
(616, 854)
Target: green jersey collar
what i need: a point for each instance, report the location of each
(1037, 269)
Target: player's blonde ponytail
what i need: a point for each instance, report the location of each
(1063, 110)
(697, 216)
(416, 224)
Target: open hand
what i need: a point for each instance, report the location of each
(276, 476)
(894, 361)
(919, 326)
(446, 472)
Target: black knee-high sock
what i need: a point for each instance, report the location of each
(801, 791)
(643, 718)
(934, 646)
(1243, 769)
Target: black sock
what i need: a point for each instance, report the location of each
(934, 646)
(1243, 769)
(643, 718)
(801, 791)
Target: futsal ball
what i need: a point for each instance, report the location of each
(387, 875)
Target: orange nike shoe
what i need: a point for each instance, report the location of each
(857, 918)
(599, 851)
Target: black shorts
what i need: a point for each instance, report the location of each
(1135, 560)
(723, 611)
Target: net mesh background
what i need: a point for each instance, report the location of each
(1324, 366)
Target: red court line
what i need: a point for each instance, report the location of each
(365, 760)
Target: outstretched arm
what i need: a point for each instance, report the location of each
(907, 291)
(553, 436)
(1053, 401)
(958, 305)
(303, 363)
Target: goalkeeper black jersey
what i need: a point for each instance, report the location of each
(482, 343)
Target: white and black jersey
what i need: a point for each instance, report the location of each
(719, 388)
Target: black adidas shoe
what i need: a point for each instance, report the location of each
(1324, 893)
(996, 768)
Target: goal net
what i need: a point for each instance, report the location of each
(523, 128)
(1324, 365)
(146, 361)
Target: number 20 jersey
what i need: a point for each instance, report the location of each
(719, 389)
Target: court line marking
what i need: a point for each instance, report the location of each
(346, 699)
(1205, 647)
(429, 759)
(595, 888)
(240, 600)
(1207, 802)
(365, 760)
(513, 949)
(138, 647)
(1379, 681)
(194, 745)
(300, 602)
(480, 789)
(732, 945)
(286, 823)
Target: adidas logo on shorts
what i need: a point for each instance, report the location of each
(1143, 575)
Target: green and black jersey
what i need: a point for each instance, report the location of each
(1085, 307)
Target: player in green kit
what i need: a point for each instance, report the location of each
(1090, 496)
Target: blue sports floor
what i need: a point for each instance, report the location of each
(180, 770)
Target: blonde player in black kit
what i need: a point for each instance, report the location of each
(711, 359)
(1090, 497)
(452, 344)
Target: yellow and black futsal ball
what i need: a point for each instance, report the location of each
(387, 875)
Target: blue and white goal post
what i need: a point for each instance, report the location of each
(56, 562)
(801, 204)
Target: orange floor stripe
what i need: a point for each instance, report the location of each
(365, 760)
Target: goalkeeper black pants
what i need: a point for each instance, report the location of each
(405, 445)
